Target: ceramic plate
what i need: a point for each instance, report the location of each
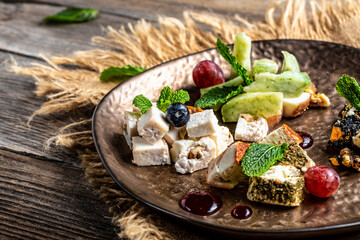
(161, 187)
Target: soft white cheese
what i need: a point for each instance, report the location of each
(190, 156)
(202, 124)
(222, 138)
(250, 128)
(146, 154)
(130, 126)
(291, 105)
(152, 125)
(172, 135)
(356, 139)
(281, 173)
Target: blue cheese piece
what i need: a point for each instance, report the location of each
(250, 128)
(190, 156)
(130, 126)
(202, 124)
(146, 154)
(222, 138)
(152, 125)
(280, 185)
(173, 135)
(224, 171)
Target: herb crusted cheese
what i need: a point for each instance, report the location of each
(280, 185)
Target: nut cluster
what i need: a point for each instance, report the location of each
(347, 158)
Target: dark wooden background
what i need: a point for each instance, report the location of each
(43, 194)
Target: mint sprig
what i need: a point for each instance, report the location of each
(120, 74)
(142, 103)
(260, 157)
(72, 15)
(231, 59)
(167, 97)
(218, 95)
(347, 87)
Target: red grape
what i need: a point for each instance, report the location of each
(207, 73)
(321, 181)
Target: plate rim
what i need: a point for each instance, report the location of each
(319, 230)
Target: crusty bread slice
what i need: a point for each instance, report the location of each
(283, 134)
(294, 107)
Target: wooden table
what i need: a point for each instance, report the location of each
(44, 194)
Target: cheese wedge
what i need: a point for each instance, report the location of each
(294, 107)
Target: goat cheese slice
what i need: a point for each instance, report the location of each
(283, 134)
(225, 171)
(190, 156)
(250, 128)
(152, 125)
(202, 124)
(130, 126)
(222, 138)
(146, 154)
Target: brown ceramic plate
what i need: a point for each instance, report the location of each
(161, 187)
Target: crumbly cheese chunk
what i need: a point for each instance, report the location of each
(172, 135)
(280, 185)
(146, 154)
(190, 156)
(356, 139)
(222, 138)
(202, 124)
(152, 125)
(250, 128)
(130, 126)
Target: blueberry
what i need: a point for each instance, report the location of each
(177, 114)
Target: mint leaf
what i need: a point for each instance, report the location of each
(260, 157)
(218, 95)
(167, 97)
(142, 103)
(164, 100)
(180, 96)
(72, 15)
(347, 87)
(120, 74)
(231, 59)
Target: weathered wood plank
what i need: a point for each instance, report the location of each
(44, 200)
(23, 32)
(149, 9)
(18, 102)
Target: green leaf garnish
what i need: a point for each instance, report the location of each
(218, 95)
(347, 87)
(72, 15)
(260, 157)
(167, 97)
(142, 103)
(120, 74)
(231, 59)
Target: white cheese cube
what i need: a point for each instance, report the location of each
(130, 126)
(202, 124)
(152, 125)
(190, 156)
(146, 154)
(222, 138)
(250, 128)
(172, 135)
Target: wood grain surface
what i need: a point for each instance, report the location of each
(43, 194)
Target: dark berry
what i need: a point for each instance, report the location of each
(177, 114)
(207, 74)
